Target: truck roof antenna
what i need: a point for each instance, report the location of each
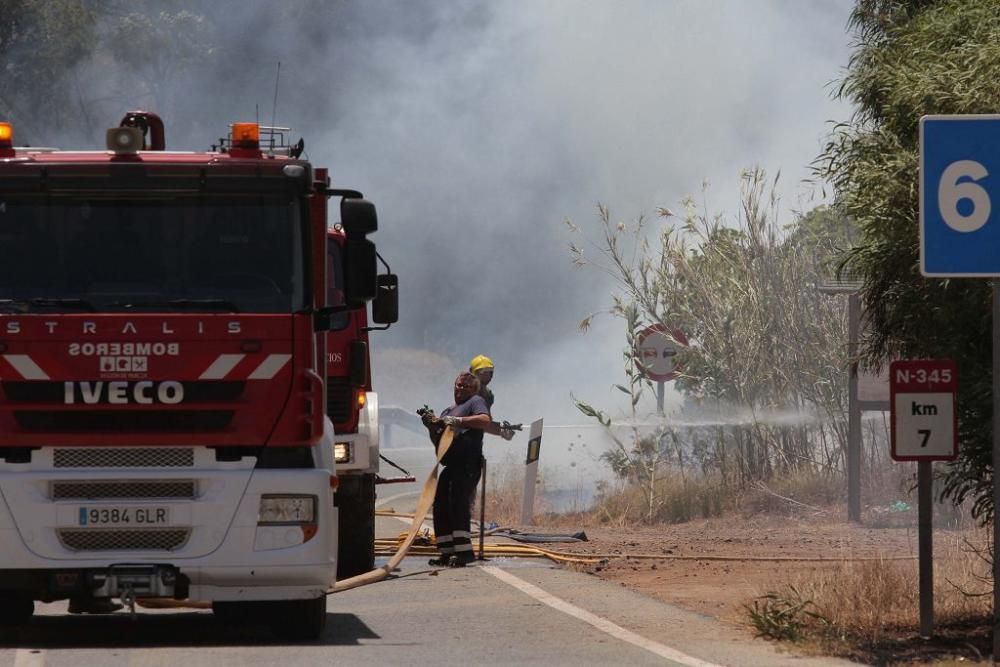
(274, 107)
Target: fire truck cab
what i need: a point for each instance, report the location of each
(163, 324)
(352, 406)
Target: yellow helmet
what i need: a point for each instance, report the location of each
(480, 362)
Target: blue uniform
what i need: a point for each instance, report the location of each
(457, 484)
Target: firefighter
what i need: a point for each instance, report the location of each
(482, 367)
(456, 487)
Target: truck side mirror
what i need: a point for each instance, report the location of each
(385, 307)
(358, 216)
(359, 272)
(360, 268)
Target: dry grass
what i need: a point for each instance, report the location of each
(686, 497)
(865, 604)
(504, 488)
(679, 498)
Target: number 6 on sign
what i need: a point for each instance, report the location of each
(952, 190)
(959, 181)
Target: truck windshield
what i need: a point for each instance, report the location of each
(243, 254)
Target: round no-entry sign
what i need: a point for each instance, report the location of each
(656, 349)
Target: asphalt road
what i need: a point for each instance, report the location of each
(502, 612)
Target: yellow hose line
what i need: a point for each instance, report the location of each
(527, 550)
(530, 550)
(524, 551)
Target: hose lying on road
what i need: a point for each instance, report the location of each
(398, 548)
(425, 546)
(517, 550)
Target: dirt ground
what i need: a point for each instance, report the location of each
(719, 588)
(687, 577)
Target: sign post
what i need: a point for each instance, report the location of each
(959, 164)
(924, 429)
(655, 353)
(531, 472)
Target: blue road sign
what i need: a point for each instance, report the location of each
(960, 196)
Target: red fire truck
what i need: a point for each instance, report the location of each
(352, 406)
(163, 330)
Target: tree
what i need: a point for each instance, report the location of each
(40, 45)
(763, 338)
(917, 57)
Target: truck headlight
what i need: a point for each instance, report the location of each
(342, 452)
(287, 509)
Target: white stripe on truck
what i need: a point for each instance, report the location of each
(24, 365)
(220, 367)
(270, 366)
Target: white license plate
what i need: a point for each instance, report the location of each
(123, 515)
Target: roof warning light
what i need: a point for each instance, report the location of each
(246, 135)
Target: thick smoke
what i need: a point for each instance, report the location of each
(479, 132)
(478, 127)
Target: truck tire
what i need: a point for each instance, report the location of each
(15, 608)
(355, 497)
(300, 620)
(293, 620)
(232, 613)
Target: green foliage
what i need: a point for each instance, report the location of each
(782, 616)
(73, 67)
(763, 338)
(39, 44)
(914, 58)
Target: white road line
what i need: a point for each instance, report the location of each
(601, 624)
(25, 657)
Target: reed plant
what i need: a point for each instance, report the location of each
(764, 340)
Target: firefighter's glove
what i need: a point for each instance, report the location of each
(450, 421)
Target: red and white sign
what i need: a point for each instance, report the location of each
(656, 349)
(924, 423)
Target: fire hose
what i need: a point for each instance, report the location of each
(405, 543)
(379, 573)
(423, 507)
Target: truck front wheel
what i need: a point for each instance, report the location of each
(301, 620)
(355, 498)
(16, 608)
(293, 620)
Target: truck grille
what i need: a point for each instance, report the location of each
(124, 457)
(124, 540)
(140, 421)
(338, 399)
(99, 490)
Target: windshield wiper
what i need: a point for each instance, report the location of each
(214, 305)
(23, 305)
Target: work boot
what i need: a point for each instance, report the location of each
(441, 561)
(462, 559)
(93, 606)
